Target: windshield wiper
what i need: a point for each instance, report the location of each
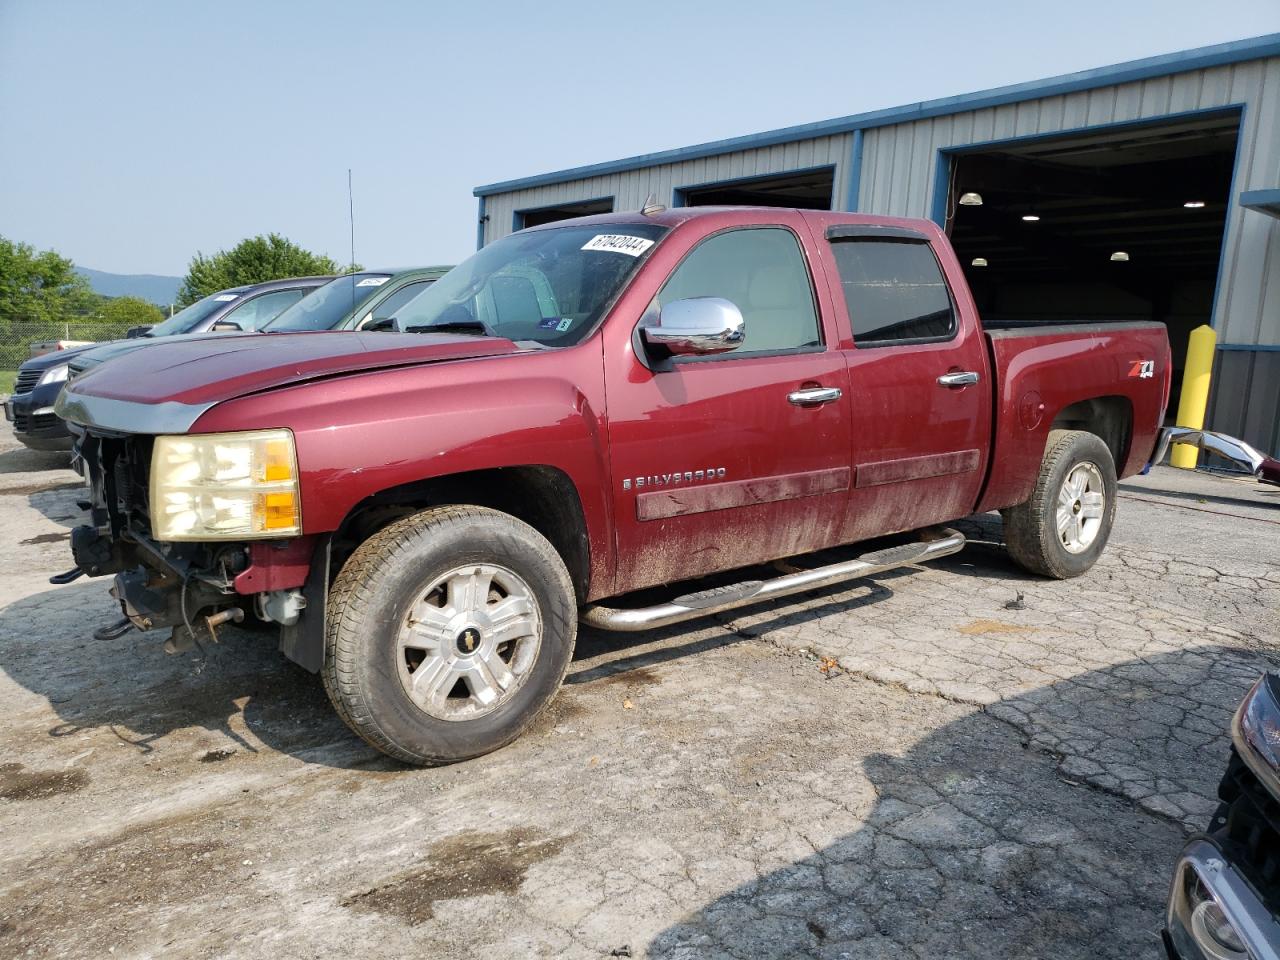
(452, 326)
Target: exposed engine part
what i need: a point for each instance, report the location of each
(281, 606)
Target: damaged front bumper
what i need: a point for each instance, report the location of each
(1265, 469)
(188, 588)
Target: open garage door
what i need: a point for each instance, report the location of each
(563, 211)
(806, 189)
(1113, 226)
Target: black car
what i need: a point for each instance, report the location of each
(1225, 899)
(40, 379)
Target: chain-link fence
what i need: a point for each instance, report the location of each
(21, 339)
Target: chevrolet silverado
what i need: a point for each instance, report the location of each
(582, 410)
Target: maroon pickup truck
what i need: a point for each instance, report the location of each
(579, 411)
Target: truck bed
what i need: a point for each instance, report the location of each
(1047, 374)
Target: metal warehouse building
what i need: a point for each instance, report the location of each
(1145, 190)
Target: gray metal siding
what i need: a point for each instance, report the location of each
(898, 173)
(899, 164)
(631, 189)
(1246, 397)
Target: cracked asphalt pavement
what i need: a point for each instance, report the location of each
(955, 760)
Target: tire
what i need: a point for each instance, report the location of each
(501, 578)
(1031, 529)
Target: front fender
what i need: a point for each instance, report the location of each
(362, 434)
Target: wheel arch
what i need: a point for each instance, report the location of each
(1109, 418)
(542, 496)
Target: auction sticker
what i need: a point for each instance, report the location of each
(558, 324)
(372, 281)
(618, 243)
(224, 298)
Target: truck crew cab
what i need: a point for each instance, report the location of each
(581, 410)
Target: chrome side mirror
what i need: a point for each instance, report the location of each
(699, 325)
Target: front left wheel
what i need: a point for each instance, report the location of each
(448, 632)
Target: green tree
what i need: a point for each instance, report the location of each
(254, 260)
(39, 285)
(128, 311)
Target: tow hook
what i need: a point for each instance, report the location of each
(114, 630)
(58, 579)
(183, 639)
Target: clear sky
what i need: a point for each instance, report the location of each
(133, 134)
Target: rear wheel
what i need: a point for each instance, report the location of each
(1062, 530)
(448, 632)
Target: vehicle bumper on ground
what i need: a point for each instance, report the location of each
(1207, 889)
(1265, 469)
(34, 422)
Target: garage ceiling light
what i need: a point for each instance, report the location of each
(970, 199)
(1194, 204)
(1030, 218)
(979, 262)
(1120, 256)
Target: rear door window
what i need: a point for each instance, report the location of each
(894, 292)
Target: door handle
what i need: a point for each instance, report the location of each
(812, 396)
(961, 379)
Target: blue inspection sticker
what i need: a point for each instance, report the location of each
(548, 323)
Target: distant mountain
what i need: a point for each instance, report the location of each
(159, 290)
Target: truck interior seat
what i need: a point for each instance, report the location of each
(778, 310)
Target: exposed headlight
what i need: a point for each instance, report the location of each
(225, 486)
(56, 374)
(1256, 731)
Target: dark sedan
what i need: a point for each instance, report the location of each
(40, 379)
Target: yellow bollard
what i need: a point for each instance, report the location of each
(1195, 392)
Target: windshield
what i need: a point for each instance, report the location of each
(549, 286)
(328, 306)
(188, 318)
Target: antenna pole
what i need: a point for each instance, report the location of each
(351, 218)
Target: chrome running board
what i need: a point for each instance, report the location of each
(719, 599)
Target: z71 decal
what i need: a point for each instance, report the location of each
(1144, 369)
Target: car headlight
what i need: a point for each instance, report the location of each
(225, 486)
(55, 374)
(1256, 731)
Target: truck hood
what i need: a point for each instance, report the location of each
(47, 360)
(203, 371)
